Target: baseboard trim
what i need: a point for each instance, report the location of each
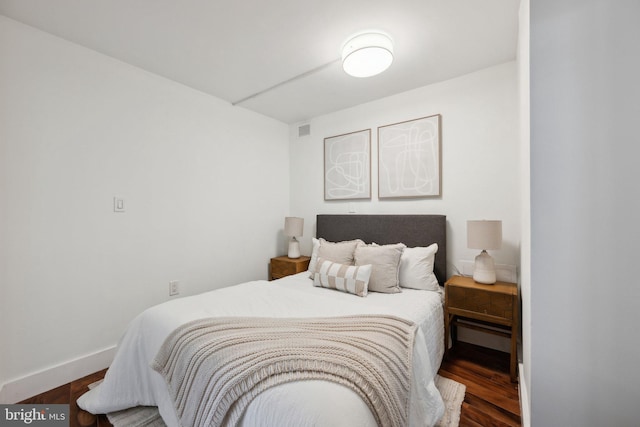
(525, 414)
(38, 382)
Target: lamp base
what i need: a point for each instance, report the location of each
(484, 270)
(294, 249)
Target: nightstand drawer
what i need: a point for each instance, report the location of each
(281, 269)
(284, 266)
(479, 301)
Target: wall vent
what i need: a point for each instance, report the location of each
(304, 130)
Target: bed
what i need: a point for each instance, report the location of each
(131, 381)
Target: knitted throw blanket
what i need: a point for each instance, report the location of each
(215, 367)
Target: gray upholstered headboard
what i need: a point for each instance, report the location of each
(412, 230)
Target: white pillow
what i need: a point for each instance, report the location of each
(346, 278)
(416, 268)
(385, 261)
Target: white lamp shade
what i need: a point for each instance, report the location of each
(484, 234)
(367, 54)
(293, 226)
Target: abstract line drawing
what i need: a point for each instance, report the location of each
(347, 166)
(409, 158)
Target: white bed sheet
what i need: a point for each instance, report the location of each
(131, 382)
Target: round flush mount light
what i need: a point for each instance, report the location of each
(367, 54)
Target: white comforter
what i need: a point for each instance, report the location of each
(131, 382)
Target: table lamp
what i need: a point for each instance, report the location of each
(484, 235)
(293, 228)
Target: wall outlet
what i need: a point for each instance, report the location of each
(174, 288)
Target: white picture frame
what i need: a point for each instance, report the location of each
(409, 158)
(347, 166)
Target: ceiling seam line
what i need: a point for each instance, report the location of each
(299, 76)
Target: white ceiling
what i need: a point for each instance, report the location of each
(233, 49)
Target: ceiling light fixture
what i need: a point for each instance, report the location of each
(367, 54)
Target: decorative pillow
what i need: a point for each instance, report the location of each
(341, 252)
(346, 278)
(416, 268)
(385, 262)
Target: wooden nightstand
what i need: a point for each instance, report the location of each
(487, 308)
(284, 266)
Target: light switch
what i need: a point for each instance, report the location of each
(118, 204)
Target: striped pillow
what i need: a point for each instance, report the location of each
(346, 278)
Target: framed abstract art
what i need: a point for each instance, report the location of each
(347, 166)
(409, 158)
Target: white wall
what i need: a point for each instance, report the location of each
(480, 160)
(584, 212)
(206, 188)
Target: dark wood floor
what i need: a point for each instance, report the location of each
(69, 393)
(491, 399)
